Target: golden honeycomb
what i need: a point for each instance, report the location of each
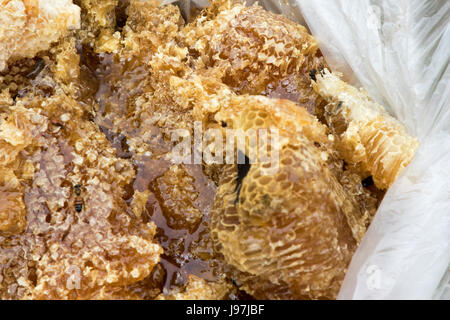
(256, 52)
(285, 227)
(31, 26)
(92, 206)
(368, 135)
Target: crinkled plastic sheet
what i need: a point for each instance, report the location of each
(399, 51)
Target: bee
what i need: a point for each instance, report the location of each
(312, 74)
(78, 199)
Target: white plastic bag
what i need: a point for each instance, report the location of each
(399, 50)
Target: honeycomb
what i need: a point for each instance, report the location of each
(138, 112)
(254, 51)
(101, 239)
(368, 135)
(31, 26)
(286, 227)
(92, 205)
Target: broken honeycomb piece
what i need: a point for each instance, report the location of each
(284, 246)
(178, 197)
(66, 253)
(132, 80)
(294, 226)
(150, 26)
(98, 20)
(368, 135)
(256, 52)
(28, 27)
